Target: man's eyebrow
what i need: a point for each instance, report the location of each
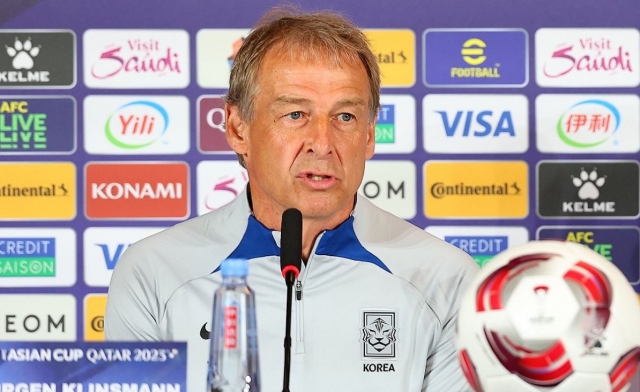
(289, 99)
(350, 102)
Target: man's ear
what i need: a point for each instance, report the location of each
(236, 130)
(371, 140)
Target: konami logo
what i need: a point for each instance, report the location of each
(150, 190)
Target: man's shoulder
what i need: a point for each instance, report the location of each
(193, 245)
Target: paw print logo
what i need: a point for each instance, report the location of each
(23, 54)
(588, 184)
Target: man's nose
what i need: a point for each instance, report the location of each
(320, 136)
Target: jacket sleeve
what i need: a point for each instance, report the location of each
(132, 305)
(443, 372)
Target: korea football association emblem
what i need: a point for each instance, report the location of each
(378, 334)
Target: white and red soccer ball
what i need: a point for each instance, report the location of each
(549, 316)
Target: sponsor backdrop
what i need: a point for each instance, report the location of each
(495, 129)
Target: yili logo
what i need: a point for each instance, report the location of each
(137, 124)
(27, 257)
(588, 123)
(385, 126)
(37, 58)
(577, 123)
(37, 125)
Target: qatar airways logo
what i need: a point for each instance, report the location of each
(136, 58)
(588, 57)
(128, 190)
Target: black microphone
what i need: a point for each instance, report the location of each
(291, 245)
(290, 262)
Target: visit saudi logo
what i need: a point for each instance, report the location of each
(588, 123)
(137, 124)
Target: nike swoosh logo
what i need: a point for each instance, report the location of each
(204, 334)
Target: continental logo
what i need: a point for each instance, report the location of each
(482, 189)
(94, 309)
(37, 191)
(396, 54)
(137, 190)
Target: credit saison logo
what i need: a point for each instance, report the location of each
(440, 190)
(481, 242)
(137, 190)
(588, 189)
(27, 257)
(386, 126)
(480, 189)
(137, 124)
(587, 57)
(618, 244)
(37, 125)
(38, 58)
(577, 123)
(473, 53)
(479, 57)
(136, 58)
(395, 52)
(481, 248)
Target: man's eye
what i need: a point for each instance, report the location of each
(346, 117)
(295, 115)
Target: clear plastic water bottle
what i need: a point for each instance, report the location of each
(233, 358)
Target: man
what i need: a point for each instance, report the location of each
(377, 299)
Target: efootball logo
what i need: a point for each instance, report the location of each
(378, 334)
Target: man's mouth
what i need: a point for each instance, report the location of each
(316, 177)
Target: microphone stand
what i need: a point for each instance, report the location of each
(290, 278)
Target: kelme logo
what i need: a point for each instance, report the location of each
(588, 123)
(137, 124)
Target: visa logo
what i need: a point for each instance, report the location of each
(480, 124)
(111, 256)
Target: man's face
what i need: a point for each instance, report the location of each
(309, 137)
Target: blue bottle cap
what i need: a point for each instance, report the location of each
(235, 267)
